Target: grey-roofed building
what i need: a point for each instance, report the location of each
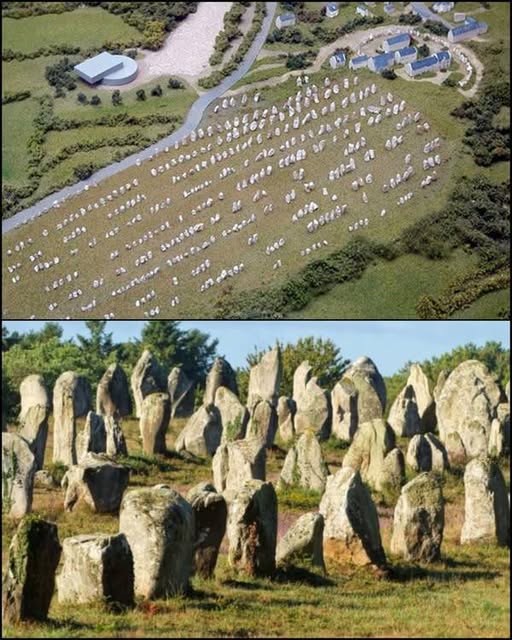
(358, 62)
(405, 55)
(466, 31)
(338, 60)
(285, 20)
(332, 9)
(381, 62)
(94, 69)
(396, 42)
(440, 60)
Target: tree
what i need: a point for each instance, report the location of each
(95, 100)
(141, 94)
(83, 171)
(423, 51)
(388, 74)
(156, 91)
(116, 98)
(175, 84)
(82, 98)
(97, 348)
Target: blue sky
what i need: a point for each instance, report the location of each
(389, 343)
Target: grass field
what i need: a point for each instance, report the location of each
(465, 594)
(486, 307)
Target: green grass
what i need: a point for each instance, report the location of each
(86, 26)
(260, 75)
(16, 130)
(488, 306)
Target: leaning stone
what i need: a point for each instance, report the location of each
(286, 409)
(210, 511)
(487, 509)
(419, 520)
(303, 541)
(179, 388)
(96, 480)
(304, 465)
(424, 400)
(147, 378)
(115, 440)
(96, 568)
(235, 462)
(34, 429)
(404, 417)
(220, 375)
(344, 411)
(159, 526)
(262, 423)
(233, 415)
(265, 379)
(29, 581)
(113, 393)
(93, 436)
(202, 434)
(252, 529)
(18, 471)
(351, 532)
(313, 403)
(33, 393)
(155, 414)
(71, 399)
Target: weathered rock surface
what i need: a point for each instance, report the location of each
(499, 435)
(96, 480)
(33, 392)
(160, 528)
(303, 541)
(487, 509)
(467, 405)
(93, 436)
(426, 453)
(147, 378)
(220, 375)
(313, 403)
(235, 462)
(286, 409)
(344, 410)
(262, 423)
(18, 471)
(252, 529)
(113, 393)
(419, 520)
(71, 399)
(210, 512)
(374, 454)
(115, 440)
(34, 429)
(155, 413)
(404, 417)
(43, 479)
(202, 433)
(96, 567)
(351, 531)
(364, 379)
(233, 414)
(265, 379)
(29, 581)
(441, 379)
(424, 400)
(180, 390)
(304, 465)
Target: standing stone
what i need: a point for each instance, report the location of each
(351, 532)
(427, 453)
(265, 379)
(159, 526)
(93, 437)
(235, 462)
(96, 480)
(202, 434)
(29, 581)
(115, 440)
(71, 399)
(263, 423)
(233, 415)
(304, 465)
(96, 567)
(364, 379)
(487, 509)
(33, 392)
(220, 375)
(147, 378)
(467, 406)
(313, 403)
(43, 479)
(419, 520)
(404, 417)
(286, 409)
(18, 471)
(252, 529)
(499, 436)
(155, 413)
(441, 379)
(210, 512)
(113, 393)
(179, 388)
(303, 541)
(424, 400)
(34, 429)
(373, 443)
(344, 410)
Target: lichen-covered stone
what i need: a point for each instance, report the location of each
(33, 393)
(235, 462)
(211, 512)
(262, 423)
(71, 399)
(499, 435)
(351, 531)
(34, 429)
(424, 400)
(202, 434)
(220, 375)
(286, 409)
(160, 528)
(419, 520)
(427, 453)
(43, 479)
(363, 379)
(147, 378)
(404, 417)
(313, 404)
(115, 440)
(113, 393)
(304, 465)
(18, 471)
(96, 567)
(180, 390)
(29, 581)
(303, 542)
(233, 414)
(252, 529)
(344, 411)
(93, 436)
(155, 413)
(265, 379)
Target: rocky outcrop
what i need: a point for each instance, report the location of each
(147, 378)
(155, 413)
(427, 453)
(34, 429)
(424, 400)
(303, 542)
(344, 410)
(419, 520)
(96, 568)
(202, 434)
(304, 465)
(233, 414)
(93, 436)
(220, 375)
(262, 423)
(252, 529)
(286, 409)
(113, 393)
(180, 389)
(71, 399)
(312, 402)
(265, 379)
(160, 528)
(33, 393)
(235, 462)
(18, 471)
(404, 417)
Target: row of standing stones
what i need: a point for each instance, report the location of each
(164, 538)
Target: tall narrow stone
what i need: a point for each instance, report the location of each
(147, 378)
(404, 417)
(33, 392)
(34, 429)
(113, 393)
(18, 471)
(265, 379)
(286, 409)
(155, 414)
(180, 389)
(313, 403)
(202, 434)
(304, 465)
(263, 423)
(93, 436)
(220, 375)
(233, 415)
(424, 400)
(71, 399)
(344, 411)
(364, 379)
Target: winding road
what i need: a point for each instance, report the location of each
(192, 120)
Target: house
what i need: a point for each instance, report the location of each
(420, 10)
(434, 62)
(285, 20)
(459, 17)
(389, 8)
(332, 9)
(405, 55)
(338, 60)
(443, 7)
(466, 31)
(363, 11)
(396, 42)
(445, 59)
(359, 62)
(381, 62)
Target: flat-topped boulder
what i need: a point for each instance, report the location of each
(220, 375)
(155, 413)
(147, 378)
(304, 465)
(71, 400)
(303, 542)
(235, 462)
(202, 434)
(18, 471)
(113, 393)
(265, 379)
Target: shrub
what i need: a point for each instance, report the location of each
(175, 84)
(95, 100)
(83, 171)
(116, 98)
(156, 91)
(141, 94)
(81, 98)
(388, 74)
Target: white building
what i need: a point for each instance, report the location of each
(285, 20)
(405, 55)
(359, 62)
(467, 31)
(338, 60)
(435, 62)
(396, 42)
(443, 7)
(332, 9)
(362, 11)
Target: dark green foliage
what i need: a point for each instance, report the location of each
(116, 98)
(156, 91)
(423, 51)
(141, 94)
(59, 76)
(437, 28)
(95, 100)
(449, 82)
(83, 171)
(81, 98)
(174, 83)
(298, 61)
(230, 32)
(18, 96)
(409, 18)
(388, 74)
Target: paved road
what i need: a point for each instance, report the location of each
(427, 14)
(192, 121)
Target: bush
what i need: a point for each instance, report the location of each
(83, 171)
(388, 74)
(95, 100)
(141, 94)
(156, 91)
(15, 97)
(116, 98)
(175, 84)
(81, 98)
(437, 28)
(423, 51)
